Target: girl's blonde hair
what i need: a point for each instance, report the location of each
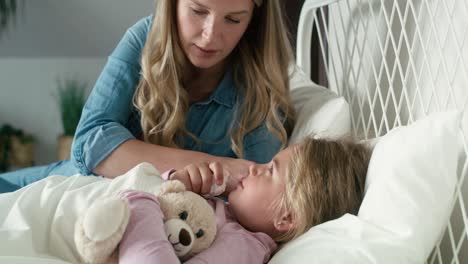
(260, 70)
(326, 180)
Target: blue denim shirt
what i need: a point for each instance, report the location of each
(109, 117)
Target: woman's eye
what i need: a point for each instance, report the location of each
(198, 12)
(270, 169)
(232, 20)
(183, 215)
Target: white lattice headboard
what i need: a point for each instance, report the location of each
(396, 61)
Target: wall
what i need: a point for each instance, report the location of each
(52, 39)
(84, 28)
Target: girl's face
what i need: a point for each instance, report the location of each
(210, 29)
(252, 201)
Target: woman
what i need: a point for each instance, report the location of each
(201, 81)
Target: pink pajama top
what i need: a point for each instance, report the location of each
(145, 241)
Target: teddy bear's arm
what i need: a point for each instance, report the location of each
(144, 240)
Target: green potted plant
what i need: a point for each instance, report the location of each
(16, 148)
(71, 99)
(8, 10)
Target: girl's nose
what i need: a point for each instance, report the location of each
(257, 169)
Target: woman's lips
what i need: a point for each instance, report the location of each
(204, 52)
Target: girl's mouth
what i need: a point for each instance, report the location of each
(241, 183)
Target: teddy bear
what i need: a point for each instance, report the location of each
(187, 217)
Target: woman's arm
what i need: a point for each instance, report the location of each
(108, 118)
(133, 152)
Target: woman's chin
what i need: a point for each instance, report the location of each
(204, 63)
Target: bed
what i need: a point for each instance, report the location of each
(396, 73)
(401, 66)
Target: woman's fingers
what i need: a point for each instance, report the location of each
(218, 173)
(184, 177)
(206, 177)
(238, 168)
(195, 178)
(199, 178)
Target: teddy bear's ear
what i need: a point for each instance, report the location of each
(172, 186)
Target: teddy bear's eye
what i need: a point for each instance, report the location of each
(200, 233)
(183, 215)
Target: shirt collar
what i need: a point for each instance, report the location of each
(225, 93)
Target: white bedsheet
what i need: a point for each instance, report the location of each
(37, 222)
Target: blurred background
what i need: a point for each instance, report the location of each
(50, 52)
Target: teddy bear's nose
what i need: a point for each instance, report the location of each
(184, 237)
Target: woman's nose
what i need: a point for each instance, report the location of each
(210, 29)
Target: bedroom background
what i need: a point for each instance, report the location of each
(53, 39)
(49, 40)
(402, 58)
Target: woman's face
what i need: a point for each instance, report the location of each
(210, 29)
(252, 201)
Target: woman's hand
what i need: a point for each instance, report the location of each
(236, 170)
(198, 178)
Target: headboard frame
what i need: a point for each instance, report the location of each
(395, 62)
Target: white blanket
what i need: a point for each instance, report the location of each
(37, 222)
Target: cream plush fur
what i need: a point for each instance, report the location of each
(99, 230)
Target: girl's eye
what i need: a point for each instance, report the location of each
(232, 20)
(270, 169)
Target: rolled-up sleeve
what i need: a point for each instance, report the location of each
(104, 123)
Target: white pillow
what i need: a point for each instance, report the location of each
(409, 196)
(319, 110)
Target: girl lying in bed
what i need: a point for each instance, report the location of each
(304, 185)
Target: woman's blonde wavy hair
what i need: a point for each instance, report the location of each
(326, 180)
(260, 70)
